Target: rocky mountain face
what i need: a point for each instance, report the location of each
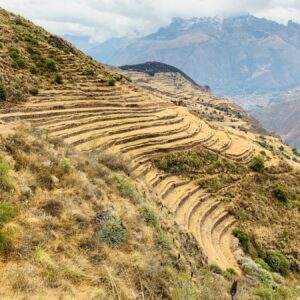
(243, 57)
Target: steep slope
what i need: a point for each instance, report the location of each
(95, 110)
(241, 56)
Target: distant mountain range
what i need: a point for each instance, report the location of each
(246, 58)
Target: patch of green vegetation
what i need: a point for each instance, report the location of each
(280, 193)
(125, 187)
(3, 92)
(163, 240)
(34, 91)
(198, 161)
(149, 216)
(33, 69)
(257, 164)
(113, 233)
(58, 79)
(5, 180)
(295, 152)
(89, 72)
(4, 241)
(263, 264)
(111, 81)
(7, 212)
(18, 61)
(263, 143)
(243, 238)
(50, 65)
(66, 165)
(14, 52)
(183, 286)
(278, 262)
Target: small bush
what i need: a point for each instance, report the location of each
(89, 72)
(33, 69)
(51, 66)
(113, 233)
(257, 164)
(163, 240)
(263, 264)
(4, 242)
(243, 238)
(215, 269)
(66, 165)
(14, 52)
(3, 92)
(278, 262)
(149, 216)
(111, 81)
(20, 63)
(5, 183)
(280, 193)
(125, 187)
(264, 294)
(58, 79)
(34, 91)
(7, 212)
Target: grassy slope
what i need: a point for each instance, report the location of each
(54, 240)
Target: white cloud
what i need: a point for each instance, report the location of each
(103, 19)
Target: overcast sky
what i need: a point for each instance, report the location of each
(103, 19)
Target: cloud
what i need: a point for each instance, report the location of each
(103, 19)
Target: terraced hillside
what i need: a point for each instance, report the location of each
(92, 108)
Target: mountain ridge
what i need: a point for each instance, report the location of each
(239, 56)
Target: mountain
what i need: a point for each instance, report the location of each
(111, 189)
(153, 68)
(282, 116)
(242, 57)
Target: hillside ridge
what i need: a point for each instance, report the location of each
(132, 192)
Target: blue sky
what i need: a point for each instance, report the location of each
(104, 19)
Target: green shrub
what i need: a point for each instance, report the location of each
(215, 269)
(278, 262)
(280, 193)
(34, 91)
(263, 264)
(66, 165)
(149, 216)
(264, 294)
(33, 69)
(243, 238)
(3, 92)
(58, 79)
(125, 187)
(5, 183)
(257, 164)
(113, 233)
(295, 152)
(89, 72)
(4, 242)
(14, 52)
(19, 63)
(163, 240)
(7, 212)
(51, 66)
(111, 81)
